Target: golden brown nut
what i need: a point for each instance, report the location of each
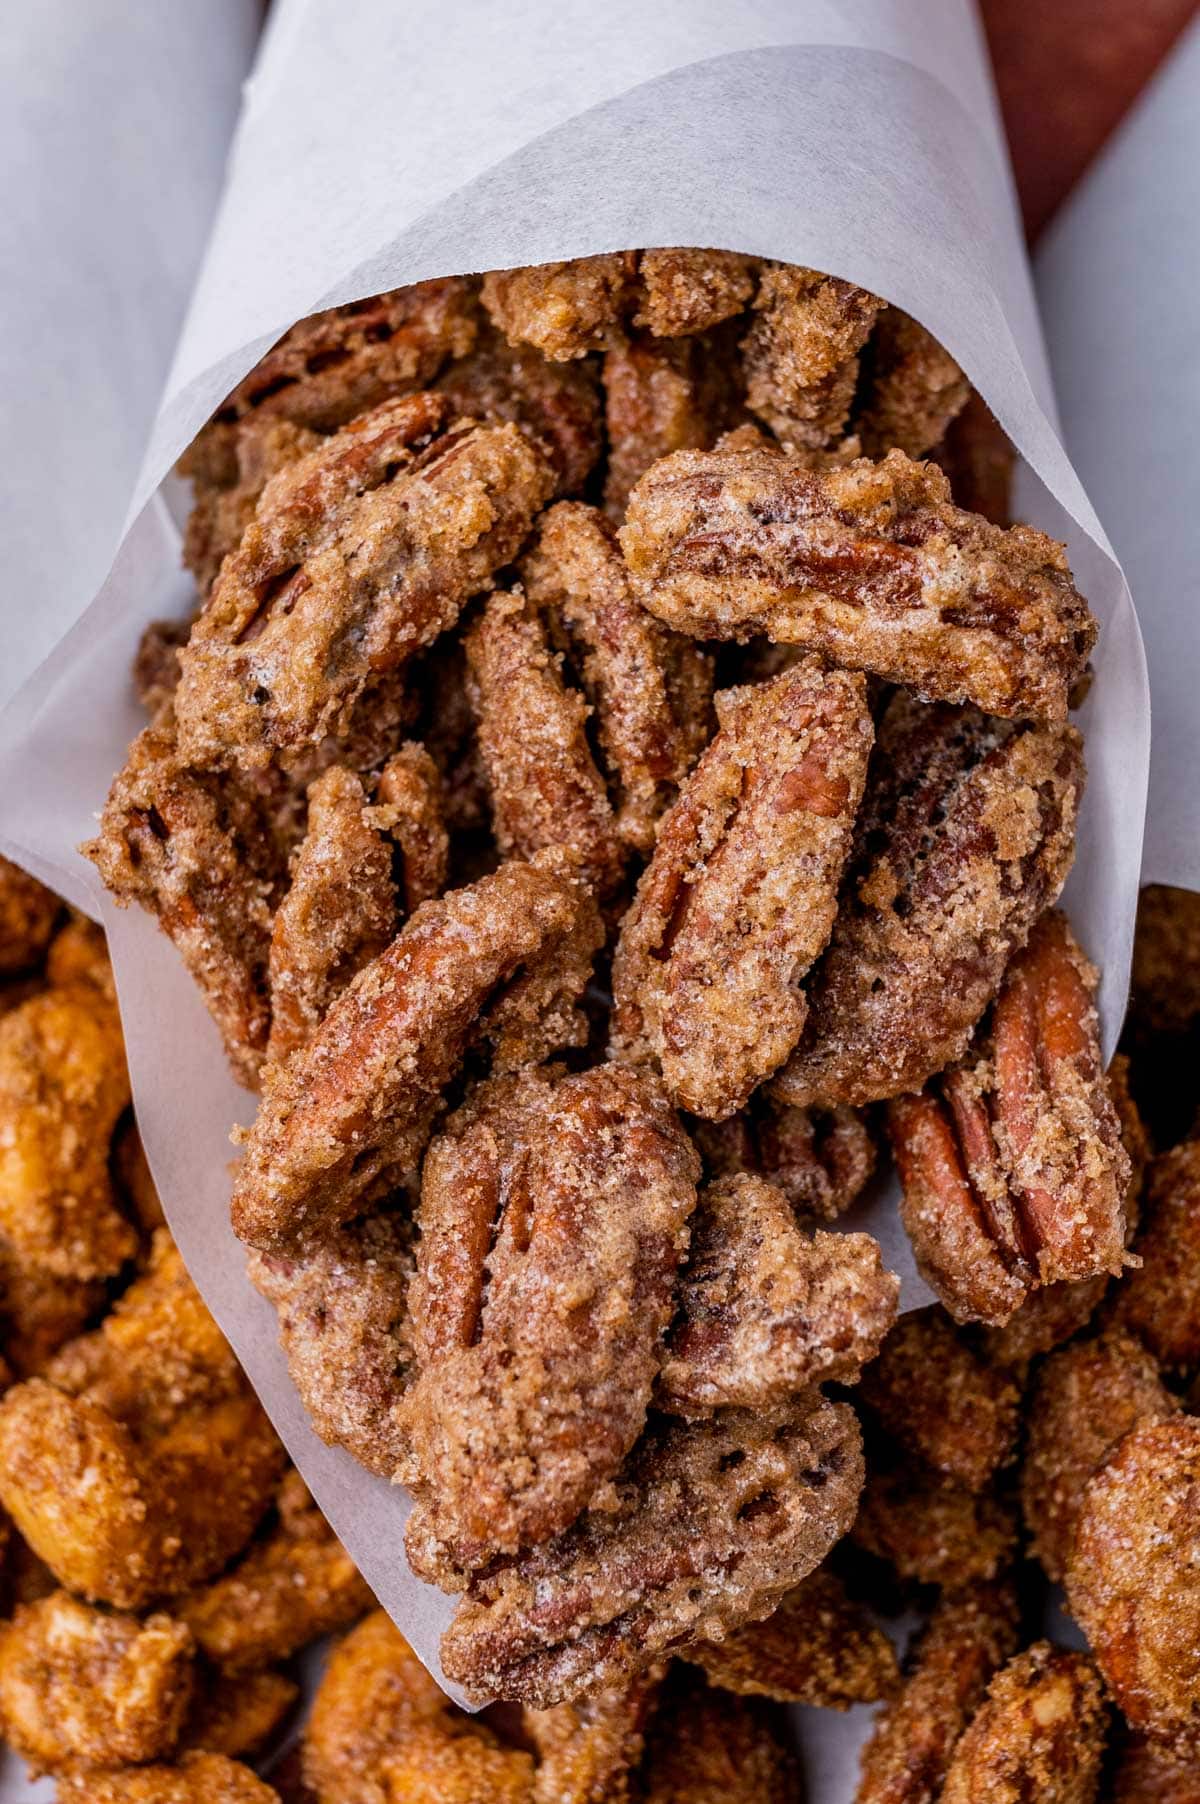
(651, 691)
(110, 1463)
(82, 1688)
(28, 911)
(978, 458)
(359, 554)
(589, 1752)
(344, 1326)
(941, 1402)
(1039, 1733)
(966, 835)
(691, 290)
(63, 1086)
(553, 1222)
(707, 1528)
(39, 1311)
(238, 1716)
(765, 1310)
(821, 1159)
(1012, 1165)
(801, 355)
(261, 445)
(78, 954)
(946, 1672)
(545, 789)
(1085, 1399)
(740, 894)
(1145, 1774)
(708, 1747)
(563, 309)
(1133, 1582)
(198, 1779)
(819, 1648)
(914, 389)
(556, 403)
(870, 565)
(933, 1530)
(1160, 1299)
(663, 395)
(346, 1119)
(410, 806)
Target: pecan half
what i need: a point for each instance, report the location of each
(1039, 1733)
(931, 1529)
(590, 1752)
(663, 395)
(707, 1527)
(914, 389)
(558, 404)
(871, 565)
(261, 446)
(822, 1159)
(741, 892)
(28, 912)
(966, 835)
(553, 1220)
(801, 354)
(685, 290)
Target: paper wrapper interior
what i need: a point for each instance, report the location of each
(373, 153)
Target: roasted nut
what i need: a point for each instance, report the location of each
(941, 1402)
(691, 290)
(1145, 1774)
(558, 404)
(39, 1311)
(663, 395)
(1160, 1299)
(589, 1752)
(198, 1779)
(564, 310)
(914, 389)
(933, 1530)
(801, 355)
(716, 1749)
(237, 1716)
(28, 912)
(740, 894)
(1039, 1733)
(821, 1159)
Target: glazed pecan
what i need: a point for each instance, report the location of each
(651, 691)
(801, 354)
(553, 1221)
(663, 395)
(740, 894)
(914, 389)
(346, 1119)
(261, 446)
(707, 1527)
(821, 1159)
(156, 663)
(686, 291)
(410, 807)
(558, 404)
(1013, 1170)
(1039, 1733)
(871, 565)
(590, 1752)
(1160, 1299)
(931, 1529)
(28, 911)
(766, 1310)
(941, 1402)
(199, 1778)
(359, 554)
(705, 1744)
(966, 835)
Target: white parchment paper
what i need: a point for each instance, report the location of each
(379, 146)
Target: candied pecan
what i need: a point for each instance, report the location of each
(544, 786)
(1166, 960)
(1046, 1318)
(709, 1747)
(156, 663)
(821, 1159)
(1160, 1299)
(741, 892)
(589, 1752)
(83, 1688)
(801, 354)
(238, 1716)
(193, 849)
(78, 954)
(39, 1311)
(1039, 1733)
(766, 1310)
(691, 290)
(552, 1224)
(199, 1778)
(914, 389)
(871, 565)
(1145, 1774)
(410, 806)
(563, 309)
(336, 364)
(1012, 1165)
(932, 1529)
(819, 1647)
(558, 404)
(651, 690)
(346, 1119)
(220, 515)
(978, 458)
(1132, 1581)
(946, 1672)
(28, 913)
(966, 835)
(708, 1526)
(1085, 1399)
(941, 1401)
(448, 734)
(63, 1087)
(359, 554)
(663, 395)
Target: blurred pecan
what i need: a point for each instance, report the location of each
(706, 1744)
(914, 389)
(1160, 1299)
(820, 1158)
(589, 1752)
(940, 1401)
(1039, 1733)
(931, 1529)
(558, 404)
(28, 912)
(663, 395)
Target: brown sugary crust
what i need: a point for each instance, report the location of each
(39, 1311)
(261, 446)
(553, 1221)
(801, 355)
(650, 690)
(199, 1778)
(1039, 1733)
(663, 395)
(709, 1747)
(946, 1672)
(359, 554)
(1145, 1774)
(1132, 1581)
(941, 1402)
(1085, 1399)
(544, 787)
(558, 404)
(871, 565)
(1166, 960)
(765, 1310)
(819, 1648)
(966, 835)
(691, 290)
(821, 1159)
(1159, 1300)
(707, 1527)
(740, 894)
(914, 389)
(28, 913)
(933, 1530)
(155, 669)
(590, 1752)
(503, 960)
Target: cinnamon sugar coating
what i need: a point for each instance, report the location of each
(821, 1159)
(687, 290)
(199, 1778)
(663, 395)
(28, 912)
(933, 1530)
(556, 403)
(590, 1752)
(553, 1220)
(1160, 1300)
(359, 554)
(1166, 959)
(946, 1672)
(915, 389)
(765, 1310)
(501, 961)
(940, 1401)
(40, 1310)
(871, 565)
(1144, 1774)
(1012, 1165)
(1039, 1733)
(1133, 1581)
(966, 835)
(1085, 1399)
(650, 689)
(801, 355)
(740, 894)
(261, 446)
(707, 1527)
(708, 1747)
